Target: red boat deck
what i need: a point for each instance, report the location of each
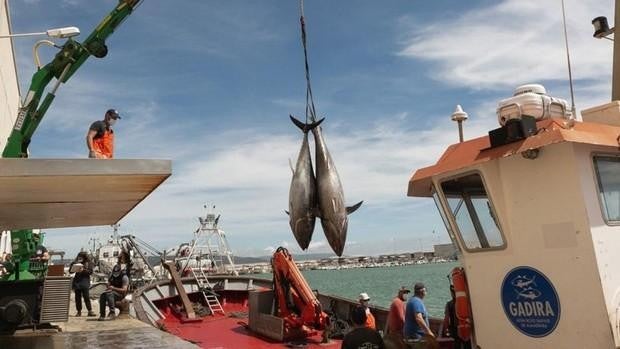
(230, 330)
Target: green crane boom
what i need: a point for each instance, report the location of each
(70, 58)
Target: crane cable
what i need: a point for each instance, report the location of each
(310, 109)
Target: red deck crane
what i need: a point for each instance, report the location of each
(297, 304)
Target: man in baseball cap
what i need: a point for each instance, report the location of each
(416, 317)
(100, 136)
(396, 315)
(364, 299)
(118, 283)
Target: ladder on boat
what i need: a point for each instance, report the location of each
(207, 291)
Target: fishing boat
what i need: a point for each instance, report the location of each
(532, 207)
(140, 257)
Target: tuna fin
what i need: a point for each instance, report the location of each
(353, 208)
(305, 127)
(290, 163)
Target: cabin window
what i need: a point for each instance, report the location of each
(444, 218)
(472, 211)
(106, 254)
(115, 253)
(607, 169)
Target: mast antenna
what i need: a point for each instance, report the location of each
(570, 74)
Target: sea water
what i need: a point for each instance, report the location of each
(382, 283)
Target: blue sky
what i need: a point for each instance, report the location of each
(210, 85)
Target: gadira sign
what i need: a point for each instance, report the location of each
(530, 301)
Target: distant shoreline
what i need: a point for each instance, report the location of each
(265, 268)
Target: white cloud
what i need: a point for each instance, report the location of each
(317, 245)
(513, 42)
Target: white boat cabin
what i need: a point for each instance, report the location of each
(534, 210)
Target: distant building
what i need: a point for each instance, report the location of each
(418, 255)
(446, 251)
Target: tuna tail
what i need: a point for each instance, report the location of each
(305, 127)
(354, 208)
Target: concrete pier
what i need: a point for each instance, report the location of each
(86, 332)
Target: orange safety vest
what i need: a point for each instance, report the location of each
(370, 320)
(105, 144)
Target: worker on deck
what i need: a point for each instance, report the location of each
(124, 259)
(361, 337)
(370, 319)
(396, 316)
(41, 254)
(100, 136)
(416, 316)
(6, 264)
(118, 284)
(450, 323)
(83, 268)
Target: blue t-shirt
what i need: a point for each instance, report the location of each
(413, 307)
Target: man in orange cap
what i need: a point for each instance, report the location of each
(100, 136)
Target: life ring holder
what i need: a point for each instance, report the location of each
(461, 303)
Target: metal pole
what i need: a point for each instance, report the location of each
(460, 122)
(615, 86)
(570, 74)
(22, 35)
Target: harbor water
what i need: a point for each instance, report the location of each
(382, 283)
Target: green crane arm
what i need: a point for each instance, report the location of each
(70, 58)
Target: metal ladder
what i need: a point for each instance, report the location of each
(207, 291)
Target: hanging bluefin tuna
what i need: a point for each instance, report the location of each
(322, 197)
(302, 201)
(332, 210)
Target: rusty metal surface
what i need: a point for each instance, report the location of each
(51, 193)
